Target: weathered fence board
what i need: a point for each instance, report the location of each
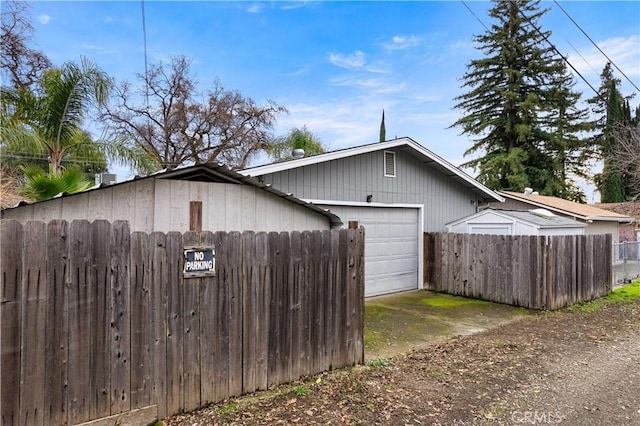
(191, 332)
(159, 283)
(33, 307)
(175, 314)
(55, 410)
(100, 357)
(120, 318)
(98, 322)
(530, 271)
(79, 307)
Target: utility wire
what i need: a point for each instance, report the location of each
(564, 58)
(597, 47)
(553, 46)
(474, 15)
(146, 68)
(583, 58)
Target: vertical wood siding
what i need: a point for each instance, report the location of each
(163, 205)
(99, 322)
(353, 178)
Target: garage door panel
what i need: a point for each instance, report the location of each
(391, 246)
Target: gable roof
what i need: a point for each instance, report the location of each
(570, 208)
(215, 173)
(407, 144)
(531, 217)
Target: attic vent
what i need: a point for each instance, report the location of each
(389, 164)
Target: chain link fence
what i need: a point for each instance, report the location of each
(626, 262)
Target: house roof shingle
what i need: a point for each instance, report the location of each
(570, 208)
(628, 209)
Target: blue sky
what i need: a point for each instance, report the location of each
(334, 64)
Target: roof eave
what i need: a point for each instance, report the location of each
(488, 194)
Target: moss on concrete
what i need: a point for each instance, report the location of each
(401, 322)
(440, 300)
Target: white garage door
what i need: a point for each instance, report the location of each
(391, 246)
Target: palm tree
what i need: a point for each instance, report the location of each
(46, 122)
(297, 138)
(40, 186)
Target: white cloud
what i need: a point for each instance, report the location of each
(401, 42)
(462, 46)
(295, 5)
(296, 73)
(623, 51)
(355, 60)
(255, 8)
(44, 19)
(100, 50)
(372, 85)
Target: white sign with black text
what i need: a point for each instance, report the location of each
(199, 262)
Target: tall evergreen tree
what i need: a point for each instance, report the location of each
(566, 124)
(383, 129)
(612, 116)
(520, 105)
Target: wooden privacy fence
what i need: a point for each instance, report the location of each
(537, 272)
(100, 323)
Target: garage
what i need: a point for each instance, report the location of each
(391, 246)
(396, 189)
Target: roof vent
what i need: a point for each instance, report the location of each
(297, 153)
(528, 191)
(105, 178)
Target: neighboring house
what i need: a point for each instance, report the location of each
(206, 197)
(598, 221)
(515, 222)
(628, 231)
(396, 189)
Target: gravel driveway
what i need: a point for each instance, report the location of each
(572, 367)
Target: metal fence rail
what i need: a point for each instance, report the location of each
(626, 262)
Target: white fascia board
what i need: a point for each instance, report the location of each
(349, 152)
(453, 169)
(321, 158)
(611, 219)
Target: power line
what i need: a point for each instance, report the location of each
(597, 47)
(146, 68)
(565, 59)
(583, 58)
(474, 15)
(553, 46)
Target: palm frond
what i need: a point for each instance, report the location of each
(40, 186)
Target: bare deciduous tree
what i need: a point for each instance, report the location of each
(165, 117)
(22, 65)
(625, 156)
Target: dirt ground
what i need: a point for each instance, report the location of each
(577, 366)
